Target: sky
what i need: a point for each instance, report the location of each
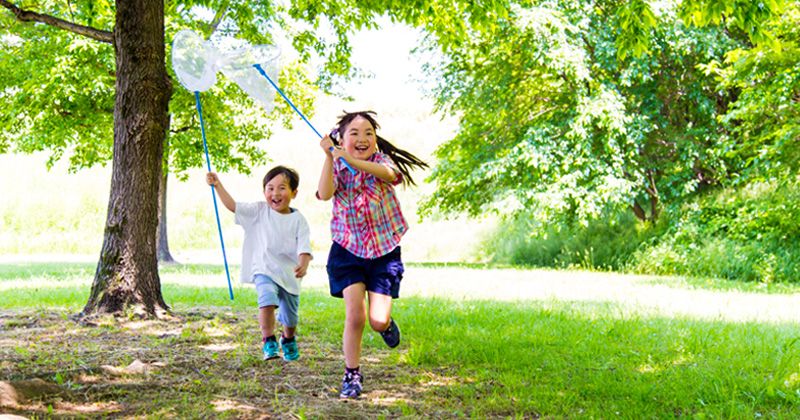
(386, 55)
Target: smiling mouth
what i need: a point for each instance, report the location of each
(361, 149)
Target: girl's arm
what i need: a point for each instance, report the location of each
(325, 188)
(381, 171)
(213, 180)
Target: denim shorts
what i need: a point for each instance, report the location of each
(271, 294)
(381, 275)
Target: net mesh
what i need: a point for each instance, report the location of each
(197, 61)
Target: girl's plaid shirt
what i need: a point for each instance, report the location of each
(367, 219)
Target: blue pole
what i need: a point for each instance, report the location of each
(263, 73)
(213, 193)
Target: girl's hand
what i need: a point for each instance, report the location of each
(340, 153)
(326, 144)
(212, 179)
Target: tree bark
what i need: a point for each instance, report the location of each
(162, 243)
(127, 272)
(638, 211)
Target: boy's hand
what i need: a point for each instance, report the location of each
(300, 270)
(302, 266)
(212, 178)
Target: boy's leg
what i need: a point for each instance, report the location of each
(266, 320)
(267, 302)
(288, 315)
(288, 312)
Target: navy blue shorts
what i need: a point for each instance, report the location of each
(380, 275)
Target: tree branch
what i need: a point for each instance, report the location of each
(217, 18)
(181, 130)
(87, 31)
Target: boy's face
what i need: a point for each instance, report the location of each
(359, 138)
(279, 194)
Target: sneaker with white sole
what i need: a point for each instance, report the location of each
(290, 350)
(351, 385)
(271, 350)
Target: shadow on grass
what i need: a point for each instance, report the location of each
(457, 358)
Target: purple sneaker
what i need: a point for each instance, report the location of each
(392, 334)
(351, 385)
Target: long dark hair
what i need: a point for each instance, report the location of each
(404, 160)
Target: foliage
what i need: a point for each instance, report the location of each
(603, 244)
(551, 118)
(61, 86)
(58, 93)
(764, 126)
(750, 17)
(747, 234)
(743, 233)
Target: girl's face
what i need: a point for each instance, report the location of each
(279, 194)
(359, 139)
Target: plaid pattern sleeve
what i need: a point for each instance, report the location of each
(367, 219)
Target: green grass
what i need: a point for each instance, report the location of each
(458, 358)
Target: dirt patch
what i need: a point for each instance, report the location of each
(199, 364)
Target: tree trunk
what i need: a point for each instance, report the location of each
(638, 211)
(162, 244)
(127, 272)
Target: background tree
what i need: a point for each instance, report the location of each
(127, 273)
(53, 108)
(573, 108)
(763, 120)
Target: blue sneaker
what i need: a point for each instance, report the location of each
(290, 350)
(392, 334)
(271, 350)
(351, 385)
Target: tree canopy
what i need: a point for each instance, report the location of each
(571, 108)
(60, 84)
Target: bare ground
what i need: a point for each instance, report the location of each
(188, 367)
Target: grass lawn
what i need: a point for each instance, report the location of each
(470, 358)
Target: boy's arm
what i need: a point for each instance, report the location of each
(302, 266)
(213, 180)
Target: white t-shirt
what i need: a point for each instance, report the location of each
(272, 243)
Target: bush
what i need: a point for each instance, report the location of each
(747, 234)
(601, 244)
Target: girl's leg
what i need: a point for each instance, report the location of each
(355, 319)
(380, 311)
(266, 320)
